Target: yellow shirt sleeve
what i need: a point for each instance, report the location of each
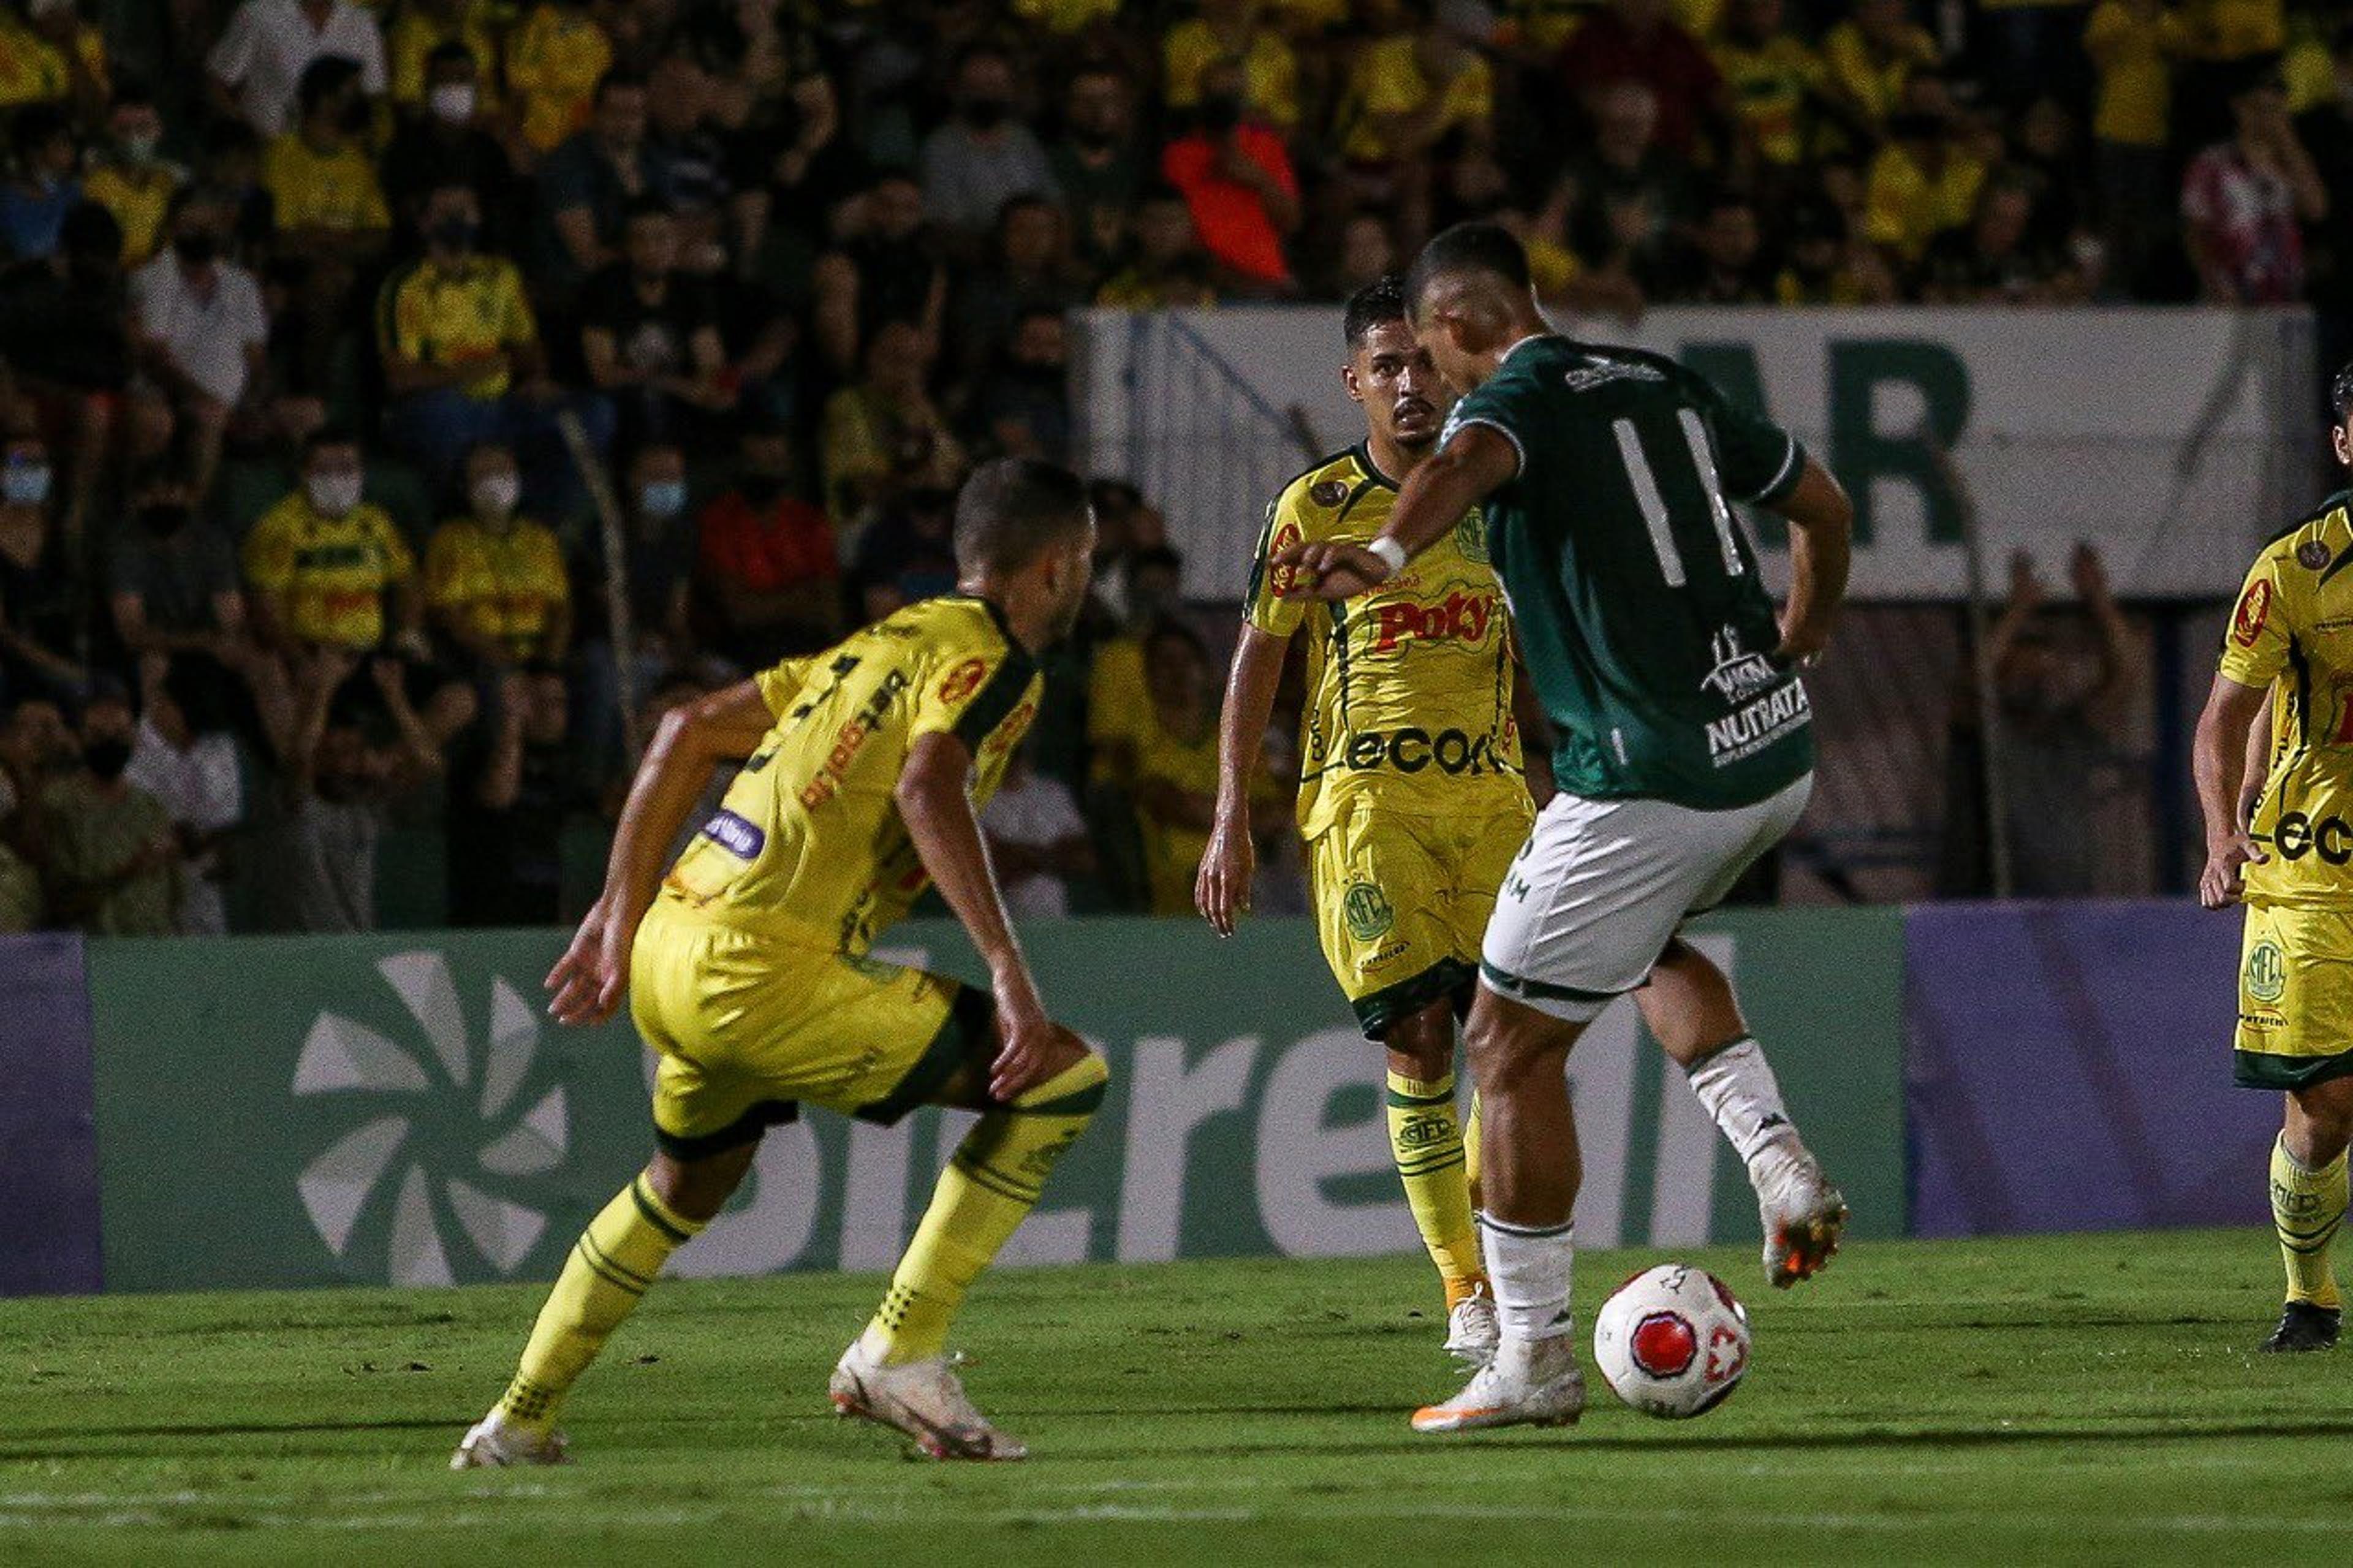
(780, 685)
(452, 570)
(517, 326)
(2262, 624)
(399, 561)
(966, 690)
(553, 583)
(1265, 606)
(269, 554)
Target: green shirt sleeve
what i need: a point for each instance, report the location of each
(1757, 461)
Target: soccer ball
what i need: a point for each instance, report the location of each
(1673, 1343)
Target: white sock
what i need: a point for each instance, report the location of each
(1737, 1085)
(1529, 1269)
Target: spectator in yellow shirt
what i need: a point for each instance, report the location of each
(323, 561)
(1411, 87)
(1921, 183)
(555, 62)
(494, 580)
(321, 177)
(2133, 46)
(132, 183)
(1872, 54)
(1231, 30)
(53, 56)
(1777, 83)
(884, 435)
(1175, 787)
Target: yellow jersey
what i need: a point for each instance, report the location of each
(311, 189)
(554, 62)
(1770, 85)
(139, 199)
(1270, 70)
(2293, 632)
(507, 585)
(1387, 78)
(35, 70)
(1409, 687)
(414, 36)
(444, 317)
(331, 572)
(1172, 850)
(809, 847)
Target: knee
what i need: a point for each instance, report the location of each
(1506, 1051)
(1421, 1047)
(697, 1190)
(1077, 1087)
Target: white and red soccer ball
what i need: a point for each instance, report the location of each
(1672, 1342)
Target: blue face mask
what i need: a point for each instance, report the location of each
(24, 484)
(663, 497)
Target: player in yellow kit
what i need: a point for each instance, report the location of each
(747, 967)
(2286, 850)
(1411, 797)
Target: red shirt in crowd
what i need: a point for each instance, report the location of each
(1231, 218)
(767, 549)
(1666, 59)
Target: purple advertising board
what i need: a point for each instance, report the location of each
(2068, 1068)
(48, 1148)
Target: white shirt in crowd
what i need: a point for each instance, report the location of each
(1037, 815)
(202, 789)
(268, 43)
(208, 339)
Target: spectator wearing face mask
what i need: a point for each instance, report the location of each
(446, 140)
(172, 576)
(767, 558)
(110, 858)
(656, 576)
(185, 756)
(256, 69)
(494, 580)
(201, 336)
(422, 36)
(38, 601)
(132, 180)
(983, 156)
(322, 563)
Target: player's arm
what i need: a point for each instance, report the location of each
(1476, 462)
(934, 797)
(593, 975)
(2258, 764)
(1536, 737)
(1821, 543)
(1222, 889)
(2218, 758)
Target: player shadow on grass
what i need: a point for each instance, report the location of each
(1760, 1442)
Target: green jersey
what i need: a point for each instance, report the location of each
(1644, 625)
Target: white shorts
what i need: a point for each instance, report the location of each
(1602, 886)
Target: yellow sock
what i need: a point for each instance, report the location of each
(612, 1264)
(2306, 1208)
(1470, 1153)
(991, 1182)
(1432, 1162)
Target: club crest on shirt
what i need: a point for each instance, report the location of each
(2312, 556)
(1329, 492)
(2254, 609)
(1470, 536)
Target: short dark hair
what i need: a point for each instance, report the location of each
(1483, 248)
(323, 77)
(449, 51)
(647, 204)
(328, 435)
(2341, 393)
(1375, 304)
(613, 81)
(1013, 511)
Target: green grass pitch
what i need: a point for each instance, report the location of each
(2086, 1399)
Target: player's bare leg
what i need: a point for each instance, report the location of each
(1529, 1173)
(614, 1263)
(1432, 1153)
(2308, 1195)
(1690, 1007)
(899, 1372)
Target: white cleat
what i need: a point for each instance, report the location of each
(1473, 1329)
(1803, 1216)
(924, 1399)
(1533, 1382)
(491, 1444)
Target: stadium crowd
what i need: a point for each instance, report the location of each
(402, 405)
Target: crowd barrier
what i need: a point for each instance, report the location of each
(397, 1109)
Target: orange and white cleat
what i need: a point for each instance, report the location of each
(1529, 1382)
(924, 1399)
(1803, 1218)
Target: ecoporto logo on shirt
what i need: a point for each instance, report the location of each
(442, 1131)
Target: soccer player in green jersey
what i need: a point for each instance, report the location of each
(1606, 476)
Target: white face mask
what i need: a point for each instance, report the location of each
(495, 495)
(24, 484)
(452, 101)
(333, 495)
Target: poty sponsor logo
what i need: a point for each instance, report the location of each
(743, 839)
(1748, 731)
(1463, 618)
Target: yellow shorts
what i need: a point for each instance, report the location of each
(749, 1027)
(1402, 901)
(2295, 997)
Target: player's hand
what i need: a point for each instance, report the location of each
(1030, 1048)
(2222, 884)
(592, 976)
(1222, 890)
(1801, 646)
(1328, 569)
